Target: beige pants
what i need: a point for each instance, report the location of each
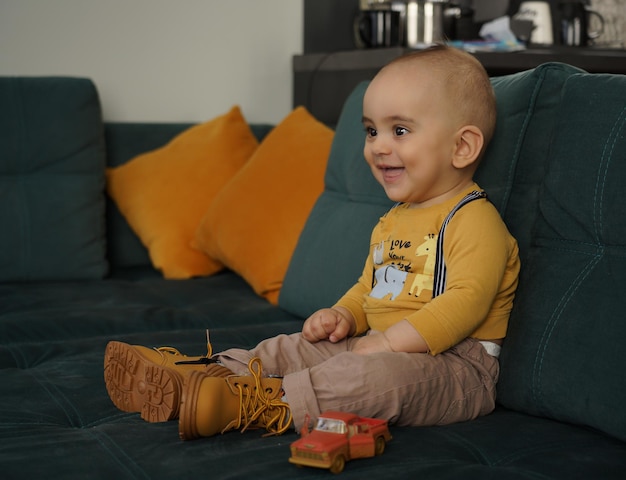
(405, 388)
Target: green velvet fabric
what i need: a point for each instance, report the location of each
(57, 421)
(515, 163)
(52, 156)
(564, 356)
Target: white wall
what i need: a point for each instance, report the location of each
(161, 60)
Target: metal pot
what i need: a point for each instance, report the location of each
(424, 22)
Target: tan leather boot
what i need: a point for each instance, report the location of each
(213, 405)
(149, 381)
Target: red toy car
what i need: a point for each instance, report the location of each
(339, 437)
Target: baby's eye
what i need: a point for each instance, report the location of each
(399, 131)
(371, 132)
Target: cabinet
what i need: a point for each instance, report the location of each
(322, 81)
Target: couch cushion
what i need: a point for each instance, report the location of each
(332, 247)
(53, 404)
(516, 160)
(44, 312)
(51, 180)
(564, 355)
(163, 194)
(253, 224)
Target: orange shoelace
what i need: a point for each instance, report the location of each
(257, 407)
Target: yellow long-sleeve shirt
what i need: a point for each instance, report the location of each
(482, 264)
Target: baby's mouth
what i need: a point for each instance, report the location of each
(391, 173)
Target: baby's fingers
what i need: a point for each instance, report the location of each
(342, 330)
(328, 322)
(313, 330)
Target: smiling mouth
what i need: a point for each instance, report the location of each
(391, 173)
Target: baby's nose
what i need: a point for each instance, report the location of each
(381, 146)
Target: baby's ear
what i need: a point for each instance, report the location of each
(469, 144)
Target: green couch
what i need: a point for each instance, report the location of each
(73, 276)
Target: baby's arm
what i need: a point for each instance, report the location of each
(333, 324)
(401, 337)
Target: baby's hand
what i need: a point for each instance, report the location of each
(330, 324)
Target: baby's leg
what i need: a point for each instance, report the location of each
(287, 356)
(406, 389)
(283, 354)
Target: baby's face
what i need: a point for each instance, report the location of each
(410, 135)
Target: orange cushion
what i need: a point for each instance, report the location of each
(163, 194)
(254, 223)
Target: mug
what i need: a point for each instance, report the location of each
(539, 14)
(378, 28)
(574, 19)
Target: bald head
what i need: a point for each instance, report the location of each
(466, 89)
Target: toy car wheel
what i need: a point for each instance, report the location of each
(379, 448)
(338, 464)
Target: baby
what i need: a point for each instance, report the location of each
(416, 340)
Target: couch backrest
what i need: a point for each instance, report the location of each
(51, 180)
(516, 161)
(559, 144)
(564, 356)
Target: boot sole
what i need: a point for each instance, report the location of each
(187, 428)
(135, 384)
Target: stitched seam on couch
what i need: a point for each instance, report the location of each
(579, 247)
(605, 161)
(537, 391)
(598, 201)
(65, 405)
(520, 140)
(541, 449)
(117, 453)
